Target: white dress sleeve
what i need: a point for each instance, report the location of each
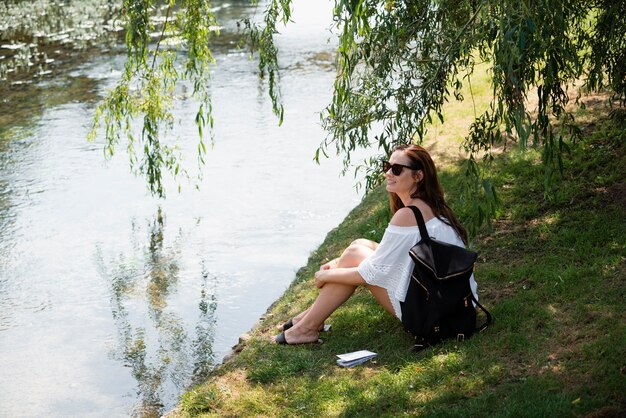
(390, 266)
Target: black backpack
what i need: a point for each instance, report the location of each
(439, 302)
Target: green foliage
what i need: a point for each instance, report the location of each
(398, 63)
(201, 400)
(147, 87)
(608, 48)
(262, 39)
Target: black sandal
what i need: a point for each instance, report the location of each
(280, 339)
(288, 325)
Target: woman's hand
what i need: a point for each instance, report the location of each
(320, 277)
(330, 265)
(348, 276)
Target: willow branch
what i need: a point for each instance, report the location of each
(156, 51)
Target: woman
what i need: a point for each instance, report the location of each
(383, 268)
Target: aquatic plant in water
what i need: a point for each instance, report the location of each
(35, 35)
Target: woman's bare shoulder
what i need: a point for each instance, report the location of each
(403, 217)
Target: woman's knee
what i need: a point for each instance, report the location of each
(355, 253)
(365, 243)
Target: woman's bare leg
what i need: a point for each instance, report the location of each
(382, 297)
(379, 293)
(331, 296)
(352, 256)
(295, 319)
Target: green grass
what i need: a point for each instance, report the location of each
(551, 272)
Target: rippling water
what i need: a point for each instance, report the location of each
(112, 301)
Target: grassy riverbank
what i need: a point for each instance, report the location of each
(551, 272)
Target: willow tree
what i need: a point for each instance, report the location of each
(397, 63)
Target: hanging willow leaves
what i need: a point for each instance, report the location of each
(397, 62)
(146, 89)
(179, 54)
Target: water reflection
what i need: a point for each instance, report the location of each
(203, 355)
(10, 193)
(156, 346)
(22, 106)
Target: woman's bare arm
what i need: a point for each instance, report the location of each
(341, 275)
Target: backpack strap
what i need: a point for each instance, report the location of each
(420, 221)
(489, 318)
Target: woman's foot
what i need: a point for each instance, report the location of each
(294, 321)
(286, 325)
(282, 339)
(297, 335)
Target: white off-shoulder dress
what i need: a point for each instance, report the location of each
(390, 266)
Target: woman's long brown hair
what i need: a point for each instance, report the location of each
(429, 189)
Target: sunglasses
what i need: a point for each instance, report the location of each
(396, 169)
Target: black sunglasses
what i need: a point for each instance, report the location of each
(396, 169)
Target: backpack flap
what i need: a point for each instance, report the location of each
(445, 261)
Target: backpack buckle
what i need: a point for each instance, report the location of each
(460, 337)
(420, 344)
(418, 347)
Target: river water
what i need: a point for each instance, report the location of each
(112, 302)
